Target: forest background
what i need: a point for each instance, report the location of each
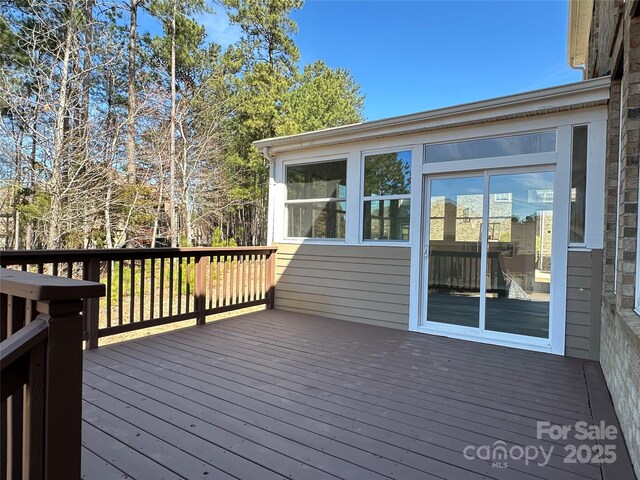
(112, 137)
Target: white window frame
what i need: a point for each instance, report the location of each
(452, 163)
(580, 245)
(515, 163)
(286, 201)
(363, 198)
(595, 185)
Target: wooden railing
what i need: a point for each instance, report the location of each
(461, 271)
(152, 287)
(41, 374)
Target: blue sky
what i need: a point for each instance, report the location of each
(410, 56)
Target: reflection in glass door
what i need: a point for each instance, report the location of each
(489, 253)
(519, 253)
(455, 251)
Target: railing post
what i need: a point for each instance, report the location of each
(271, 280)
(15, 406)
(34, 402)
(92, 305)
(63, 388)
(52, 412)
(200, 289)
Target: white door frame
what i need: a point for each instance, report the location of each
(561, 204)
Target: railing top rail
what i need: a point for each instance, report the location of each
(22, 341)
(125, 253)
(45, 287)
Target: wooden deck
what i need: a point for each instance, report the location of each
(275, 394)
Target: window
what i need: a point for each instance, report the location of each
(500, 216)
(502, 197)
(386, 197)
(491, 147)
(468, 218)
(316, 200)
(540, 196)
(578, 184)
(437, 214)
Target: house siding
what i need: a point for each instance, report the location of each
(366, 284)
(370, 284)
(584, 284)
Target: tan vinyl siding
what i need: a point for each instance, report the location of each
(584, 285)
(366, 284)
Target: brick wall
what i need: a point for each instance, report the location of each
(611, 198)
(620, 361)
(630, 137)
(603, 30)
(615, 49)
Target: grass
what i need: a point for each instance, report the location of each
(172, 292)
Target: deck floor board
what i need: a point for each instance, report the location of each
(328, 361)
(277, 394)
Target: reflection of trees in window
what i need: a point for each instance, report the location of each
(316, 220)
(386, 196)
(386, 219)
(387, 174)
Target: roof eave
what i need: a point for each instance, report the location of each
(580, 16)
(585, 93)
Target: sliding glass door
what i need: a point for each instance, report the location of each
(455, 250)
(488, 253)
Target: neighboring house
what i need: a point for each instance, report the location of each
(604, 39)
(6, 217)
(482, 221)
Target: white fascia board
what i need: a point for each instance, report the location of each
(580, 16)
(576, 95)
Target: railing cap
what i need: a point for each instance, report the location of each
(13, 257)
(35, 286)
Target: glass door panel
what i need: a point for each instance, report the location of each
(455, 246)
(518, 269)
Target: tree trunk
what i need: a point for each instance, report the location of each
(32, 171)
(55, 190)
(87, 219)
(108, 163)
(107, 211)
(131, 116)
(154, 232)
(172, 134)
(17, 187)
